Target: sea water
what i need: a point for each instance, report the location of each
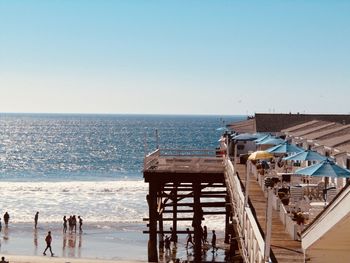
(89, 165)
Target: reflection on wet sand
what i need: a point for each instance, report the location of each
(72, 250)
(35, 234)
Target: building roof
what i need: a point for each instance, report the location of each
(247, 126)
(335, 141)
(345, 147)
(266, 122)
(271, 122)
(329, 132)
(322, 125)
(299, 126)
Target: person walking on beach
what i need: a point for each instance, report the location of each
(36, 217)
(189, 238)
(6, 219)
(3, 260)
(64, 224)
(48, 240)
(213, 241)
(80, 224)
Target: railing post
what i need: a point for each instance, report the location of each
(268, 225)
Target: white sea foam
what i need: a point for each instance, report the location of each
(105, 201)
(96, 201)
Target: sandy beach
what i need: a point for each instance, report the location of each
(107, 242)
(37, 259)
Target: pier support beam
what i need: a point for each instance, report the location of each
(197, 221)
(153, 214)
(175, 208)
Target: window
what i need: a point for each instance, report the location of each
(240, 147)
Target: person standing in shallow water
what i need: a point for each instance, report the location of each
(6, 219)
(80, 224)
(48, 241)
(36, 217)
(64, 224)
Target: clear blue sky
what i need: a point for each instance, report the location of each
(175, 57)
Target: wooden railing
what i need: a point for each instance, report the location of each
(184, 160)
(252, 242)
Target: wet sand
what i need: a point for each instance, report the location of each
(107, 242)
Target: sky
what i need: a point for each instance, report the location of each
(174, 57)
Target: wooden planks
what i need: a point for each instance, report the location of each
(284, 248)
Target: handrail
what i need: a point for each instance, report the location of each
(183, 159)
(253, 244)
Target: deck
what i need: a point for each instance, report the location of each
(284, 248)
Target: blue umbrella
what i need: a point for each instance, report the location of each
(222, 129)
(245, 137)
(307, 155)
(325, 168)
(271, 141)
(266, 136)
(285, 148)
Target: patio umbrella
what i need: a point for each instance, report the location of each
(265, 137)
(285, 147)
(258, 155)
(326, 168)
(222, 129)
(271, 141)
(245, 137)
(307, 155)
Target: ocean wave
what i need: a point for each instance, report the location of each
(111, 201)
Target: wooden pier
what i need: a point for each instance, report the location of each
(188, 185)
(178, 180)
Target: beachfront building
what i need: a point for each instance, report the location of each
(327, 239)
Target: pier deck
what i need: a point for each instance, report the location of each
(284, 248)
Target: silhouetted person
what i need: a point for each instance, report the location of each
(3, 260)
(80, 224)
(70, 223)
(189, 238)
(74, 223)
(64, 224)
(205, 235)
(6, 219)
(173, 237)
(48, 240)
(213, 241)
(36, 217)
(167, 243)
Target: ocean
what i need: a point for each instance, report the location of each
(89, 165)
